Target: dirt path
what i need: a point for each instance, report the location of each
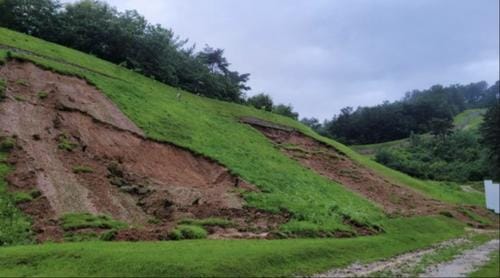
(405, 260)
(399, 266)
(466, 262)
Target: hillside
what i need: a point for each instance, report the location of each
(458, 155)
(469, 120)
(92, 150)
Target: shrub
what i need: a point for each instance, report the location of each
(75, 221)
(82, 169)
(188, 232)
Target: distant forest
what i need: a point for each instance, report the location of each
(420, 111)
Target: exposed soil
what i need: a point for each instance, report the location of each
(83, 155)
(396, 200)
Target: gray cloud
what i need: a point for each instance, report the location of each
(326, 54)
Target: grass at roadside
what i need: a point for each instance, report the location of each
(449, 253)
(225, 257)
(491, 269)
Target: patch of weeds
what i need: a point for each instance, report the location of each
(7, 144)
(65, 143)
(187, 232)
(22, 82)
(82, 169)
(213, 221)
(75, 221)
(42, 95)
(19, 98)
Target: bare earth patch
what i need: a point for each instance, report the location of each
(83, 155)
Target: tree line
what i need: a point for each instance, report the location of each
(128, 39)
(420, 111)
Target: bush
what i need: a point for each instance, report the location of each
(188, 232)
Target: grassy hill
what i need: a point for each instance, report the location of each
(213, 129)
(470, 119)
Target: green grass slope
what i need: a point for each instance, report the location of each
(469, 119)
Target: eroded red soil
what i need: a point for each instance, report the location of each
(83, 155)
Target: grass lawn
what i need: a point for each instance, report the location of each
(223, 257)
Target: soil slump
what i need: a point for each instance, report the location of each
(83, 155)
(395, 199)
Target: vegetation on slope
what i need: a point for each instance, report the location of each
(14, 226)
(457, 157)
(418, 112)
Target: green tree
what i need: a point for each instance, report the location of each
(490, 131)
(286, 110)
(261, 101)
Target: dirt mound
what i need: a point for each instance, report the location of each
(329, 162)
(84, 155)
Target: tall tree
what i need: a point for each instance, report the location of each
(490, 131)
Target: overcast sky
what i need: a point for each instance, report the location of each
(322, 55)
